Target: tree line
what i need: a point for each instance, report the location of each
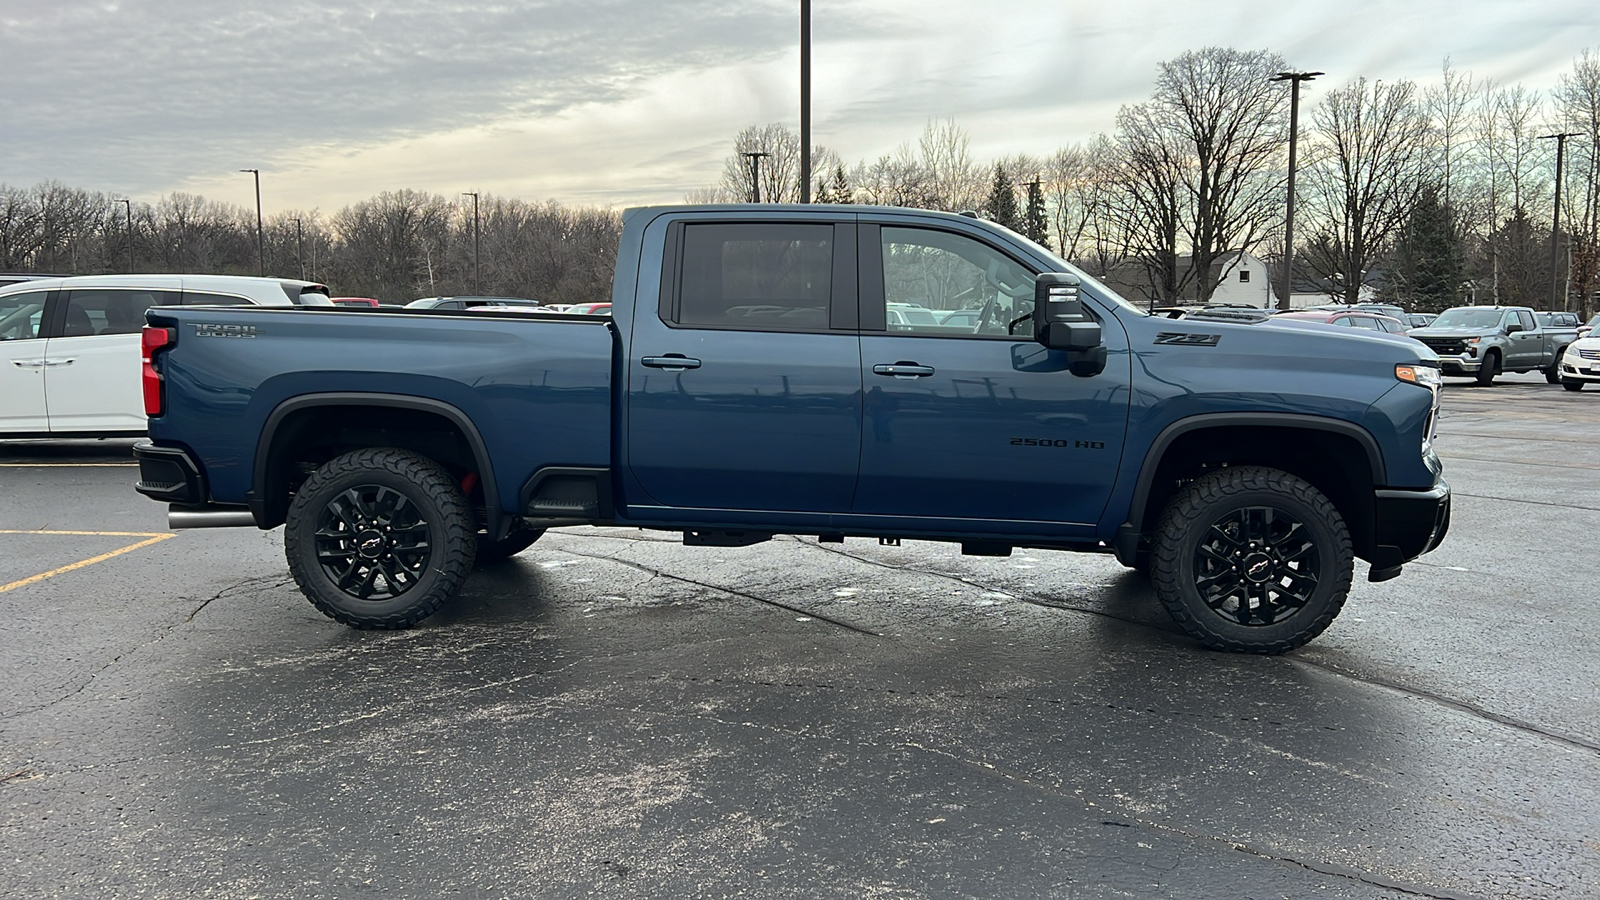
(396, 246)
(1433, 194)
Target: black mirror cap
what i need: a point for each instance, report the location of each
(1059, 321)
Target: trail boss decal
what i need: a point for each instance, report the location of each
(1058, 442)
(225, 331)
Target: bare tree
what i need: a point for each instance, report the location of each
(1577, 98)
(954, 183)
(1371, 151)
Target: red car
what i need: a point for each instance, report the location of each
(1351, 318)
(355, 301)
(590, 309)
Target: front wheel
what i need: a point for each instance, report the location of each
(1252, 560)
(519, 539)
(379, 538)
(1487, 371)
(1572, 385)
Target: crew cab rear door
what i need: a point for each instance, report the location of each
(744, 379)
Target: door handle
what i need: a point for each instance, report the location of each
(28, 363)
(903, 369)
(672, 362)
(59, 362)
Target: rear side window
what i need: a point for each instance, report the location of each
(761, 276)
(201, 298)
(93, 312)
(22, 316)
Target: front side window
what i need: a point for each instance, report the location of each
(105, 311)
(936, 282)
(21, 315)
(761, 276)
(1526, 318)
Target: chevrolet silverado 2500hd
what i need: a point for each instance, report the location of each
(750, 382)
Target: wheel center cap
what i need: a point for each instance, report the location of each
(1258, 567)
(371, 544)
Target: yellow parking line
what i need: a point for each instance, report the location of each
(69, 465)
(88, 533)
(156, 539)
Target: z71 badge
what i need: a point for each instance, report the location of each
(224, 331)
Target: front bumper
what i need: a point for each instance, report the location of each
(1577, 369)
(1407, 524)
(1460, 365)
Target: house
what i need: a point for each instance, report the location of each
(1242, 279)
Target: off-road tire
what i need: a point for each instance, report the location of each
(1572, 385)
(1489, 369)
(1198, 520)
(377, 492)
(520, 538)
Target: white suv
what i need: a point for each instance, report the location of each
(69, 347)
(1580, 365)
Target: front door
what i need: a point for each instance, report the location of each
(744, 385)
(22, 359)
(966, 416)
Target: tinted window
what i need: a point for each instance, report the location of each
(760, 276)
(93, 312)
(199, 298)
(927, 274)
(1526, 318)
(21, 315)
(1366, 322)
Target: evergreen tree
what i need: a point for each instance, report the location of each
(840, 190)
(1034, 225)
(1430, 265)
(1002, 204)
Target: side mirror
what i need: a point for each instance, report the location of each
(1060, 323)
(1513, 327)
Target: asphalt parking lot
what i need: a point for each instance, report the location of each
(613, 714)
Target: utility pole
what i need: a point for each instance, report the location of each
(755, 174)
(261, 241)
(805, 101)
(1294, 131)
(128, 207)
(475, 271)
(1555, 221)
(300, 247)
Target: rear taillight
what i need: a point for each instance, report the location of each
(155, 339)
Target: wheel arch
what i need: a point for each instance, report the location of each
(1341, 459)
(301, 423)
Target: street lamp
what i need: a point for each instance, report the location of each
(475, 271)
(261, 241)
(1294, 129)
(1555, 221)
(300, 247)
(805, 101)
(755, 174)
(128, 207)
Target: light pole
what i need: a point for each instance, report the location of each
(128, 207)
(300, 247)
(475, 270)
(1294, 130)
(261, 241)
(755, 174)
(805, 101)
(1555, 221)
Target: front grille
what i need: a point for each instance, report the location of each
(1589, 354)
(1444, 345)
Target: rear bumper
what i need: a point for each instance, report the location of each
(1407, 524)
(169, 474)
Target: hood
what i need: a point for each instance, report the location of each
(1432, 332)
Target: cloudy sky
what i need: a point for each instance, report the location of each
(619, 102)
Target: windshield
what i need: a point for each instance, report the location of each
(1468, 318)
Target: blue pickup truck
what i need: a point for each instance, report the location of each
(765, 370)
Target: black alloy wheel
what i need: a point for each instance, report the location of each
(380, 538)
(1252, 559)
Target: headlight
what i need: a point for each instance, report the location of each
(1423, 376)
(1473, 342)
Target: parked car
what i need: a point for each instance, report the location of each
(356, 301)
(1588, 326)
(1484, 341)
(1242, 465)
(1419, 320)
(1557, 319)
(591, 309)
(69, 347)
(1580, 364)
(1382, 309)
(966, 318)
(15, 277)
(1348, 317)
(468, 302)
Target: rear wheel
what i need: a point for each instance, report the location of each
(379, 538)
(1252, 560)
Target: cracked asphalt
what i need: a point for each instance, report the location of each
(612, 714)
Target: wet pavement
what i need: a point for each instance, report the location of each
(613, 714)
